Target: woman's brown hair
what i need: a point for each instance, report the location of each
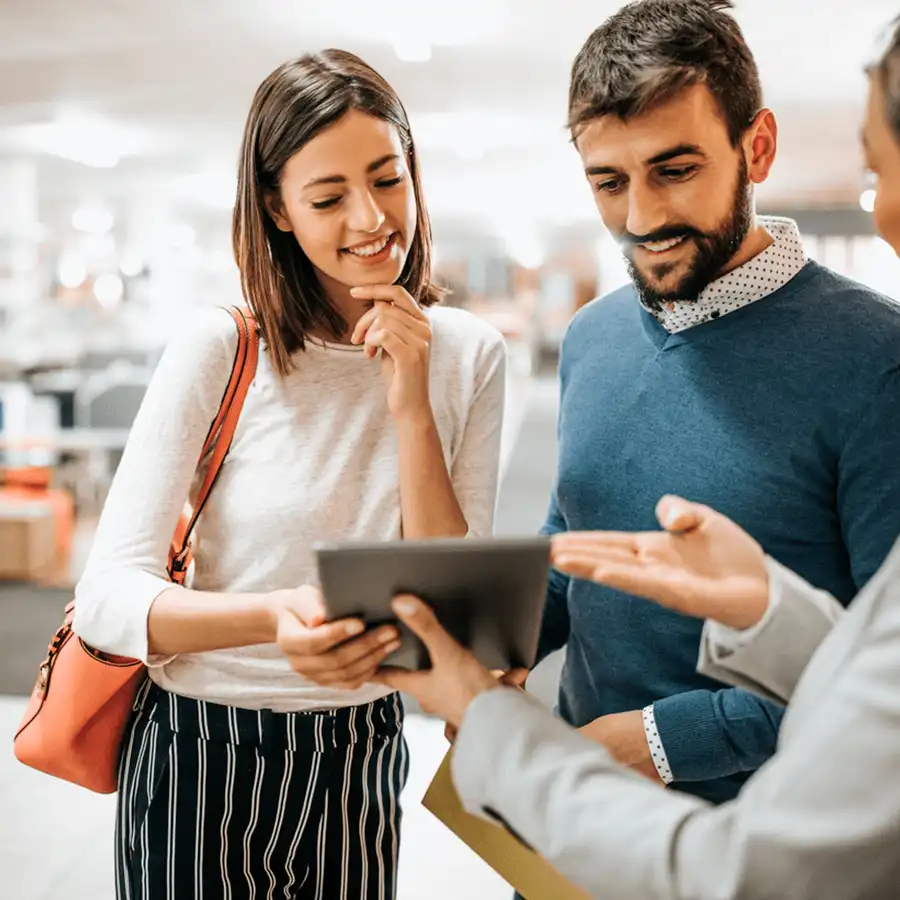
(297, 101)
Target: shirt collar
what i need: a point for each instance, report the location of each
(766, 273)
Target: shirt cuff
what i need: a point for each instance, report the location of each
(111, 612)
(723, 641)
(657, 751)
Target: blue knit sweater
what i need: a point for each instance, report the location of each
(785, 416)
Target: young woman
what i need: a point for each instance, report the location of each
(262, 761)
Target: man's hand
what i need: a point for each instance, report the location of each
(624, 737)
(455, 678)
(512, 678)
(702, 565)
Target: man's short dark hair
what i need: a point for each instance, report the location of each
(651, 50)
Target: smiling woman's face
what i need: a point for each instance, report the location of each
(347, 196)
(882, 152)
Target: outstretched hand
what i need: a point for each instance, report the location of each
(702, 564)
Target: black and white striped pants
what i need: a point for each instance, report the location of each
(218, 802)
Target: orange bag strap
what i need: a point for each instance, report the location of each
(221, 432)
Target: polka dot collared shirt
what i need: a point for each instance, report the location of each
(757, 278)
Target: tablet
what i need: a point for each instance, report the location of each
(488, 593)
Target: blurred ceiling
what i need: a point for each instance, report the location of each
(150, 96)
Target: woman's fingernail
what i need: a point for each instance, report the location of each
(388, 636)
(355, 628)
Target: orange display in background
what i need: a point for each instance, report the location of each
(62, 507)
(62, 513)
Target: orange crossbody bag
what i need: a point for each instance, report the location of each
(83, 700)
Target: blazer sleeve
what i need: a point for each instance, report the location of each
(817, 822)
(769, 658)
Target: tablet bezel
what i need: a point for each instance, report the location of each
(488, 592)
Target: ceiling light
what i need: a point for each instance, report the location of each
(528, 256)
(412, 50)
(213, 188)
(867, 200)
(522, 244)
(469, 151)
(490, 131)
(92, 220)
(89, 140)
(98, 249)
(218, 261)
(108, 289)
(72, 271)
(91, 155)
(182, 236)
(132, 265)
(460, 23)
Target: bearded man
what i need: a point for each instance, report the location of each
(733, 371)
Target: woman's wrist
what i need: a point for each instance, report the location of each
(271, 606)
(182, 620)
(415, 420)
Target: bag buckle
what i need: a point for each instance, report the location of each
(178, 565)
(43, 676)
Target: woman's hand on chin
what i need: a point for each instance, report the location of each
(398, 327)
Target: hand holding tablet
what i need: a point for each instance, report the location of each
(488, 594)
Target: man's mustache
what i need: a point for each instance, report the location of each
(661, 234)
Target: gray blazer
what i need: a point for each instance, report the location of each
(819, 821)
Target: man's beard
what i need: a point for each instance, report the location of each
(714, 250)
